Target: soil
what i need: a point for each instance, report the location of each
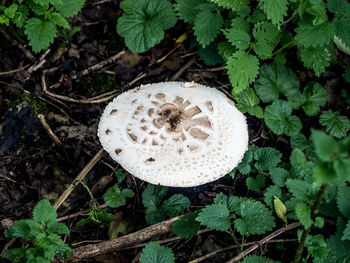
(33, 166)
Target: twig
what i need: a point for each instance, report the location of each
(98, 66)
(13, 71)
(49, 131)
(208, 69)
(9, 244)
(80, 177)
(38, 63)
(63, 218)
(150, 232)
(263, 241)
(235, 246)
(183, 69)
(168, 54)
(137, 79)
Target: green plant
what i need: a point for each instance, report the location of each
(42, 234)
(39, 19)
(155, 253)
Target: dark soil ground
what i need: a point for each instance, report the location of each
(33, 166)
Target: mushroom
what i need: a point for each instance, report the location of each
(174, 133)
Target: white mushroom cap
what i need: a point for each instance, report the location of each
(174, 133)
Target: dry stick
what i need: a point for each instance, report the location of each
(208, 69)
(235, 246)
(78, 179)
(142, 235)
(98, 66)
(38, 63)
(13, 71)
(263, 241)
(49, 131)
(183, 69)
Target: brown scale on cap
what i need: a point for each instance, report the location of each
(118, 151)
(113, 112)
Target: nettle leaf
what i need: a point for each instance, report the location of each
(343, 197)
(186, 227)
(316, 246)
(266, 36)
(247, 101)
(300, 190)
(153, 194)
(175, 205)
(303, 213)
(346, 233)
(44, 213)
(309, 35)
(279, 176)
(115, 197)
(24, 228)
(15, 254)
(255, 184)
(270, 193)
(42, 2)
(144, 22)
(188, 9)
(336, 124)
(336, 6)
(300, 168)
(323, 173)
(275, 9)
(207, 26)
(245, 165)
(40, 33)
(240, 23)
(57, 227)
(316, 97)
(68, 8)
(266, 158)
(279, 119)
(225, 50)
(316, 58)
(209, 54)
(275, 79)
(21, 16)
(59, 20)
(242, 69)
(238, 38)
(256, 218)
(342, 28)
(232, 4)
(325, 146)
(338, 250)
(155, 253)
(257, 259)
(215, 216)
(318, 10)
(36, 8)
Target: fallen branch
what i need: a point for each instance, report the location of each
(147, 233)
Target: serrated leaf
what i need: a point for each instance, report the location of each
(318, 10)
(144, 22)
(188, 9)
(336, 124)
(58, 228)
(279, 176)
(266, 158)
(215, 216)
(275, 9)
(231, 202)
(303, 213)
(186, 227)
(232, 4)
(24, 228)
(225, 50)
(343, 197)
(240, 23)
(338, 250)
(44, 213)
(15, 254)
(255, 184)
(325, 146)
(316, 58)
(319, 222)
(247, 101)
(152, 196)
(42, 2)
(59, 20)
(257, 259)
(316, 246)
(155, 253)
(346, 233)
(209, 54)
(300, 190)
(342, 27)
(279, 119)
(270, 193)
(114, 197)
(256, 218)
(275, 79)
(175, 205)
(299, 167)
(40, 33)
(207, 26)
(242, 69)
(245, 165)
(238, 38)
(316, 97)
(68, 8)
(309, 35)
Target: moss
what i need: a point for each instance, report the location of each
(103, 83)
(37, 106)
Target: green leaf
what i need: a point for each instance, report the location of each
(271, 192)
(275, 9)
(346, 233)
(255, 184)
(144, 22)
(300, 190)
(155, 253)
(215, 216)
(266, 36)
(152, 196)
(275, 79)
(207, 26)
(120, 176)
(280, 208)
(336, 124)
(299, 167)
(279, 176)
(316, 246)
(114, 197)
(279, 119)
(238, 38)
(343, 197)
(68, 8)
(336, 6)
(266, 158)
(257, 259)
(24, 228)
(187, 10)
(323, 173)
(309, 35)
(40, 33)
(231, 202)
(256, 218)
(44, 213)
(209, 54)
(59, 20)
(319, 222)
(154, 215)
(232, 4)
(316, 58)
(338, 250)
(316, 97)
(326, 147)
(242, 69)
(57, 227)
(244, 166)
(42, 2)
(15, 254)
(186, 227)
(247, 101)
(175, 205)
(303, 213)
(342, 168)
(342, 28)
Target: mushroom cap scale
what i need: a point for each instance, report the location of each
(174, 133)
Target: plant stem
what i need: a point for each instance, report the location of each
(87, 189)
(314, 207)
(284, 47)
